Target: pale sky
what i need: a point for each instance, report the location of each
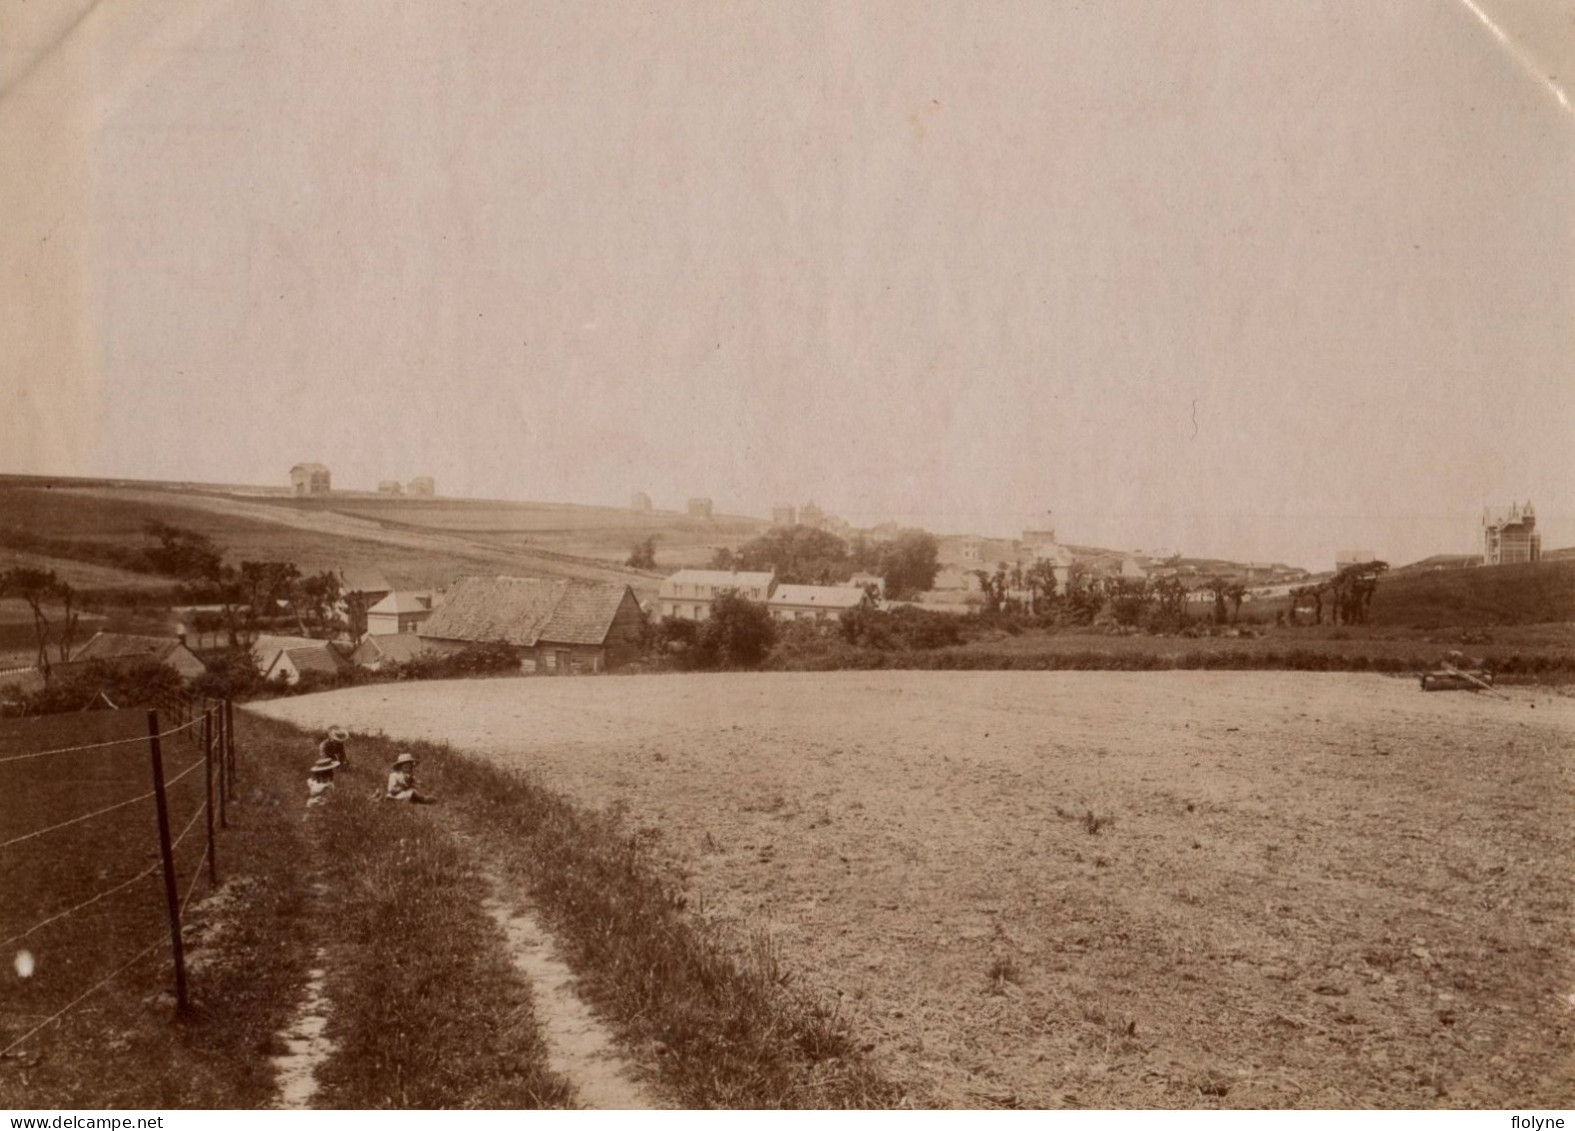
(1253, 279)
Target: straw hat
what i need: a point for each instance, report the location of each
(339, 734)
(405, 760)
(324, 766)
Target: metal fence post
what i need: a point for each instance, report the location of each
(171, 900)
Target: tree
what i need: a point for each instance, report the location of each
(35, 586)
(737, 634)
(643, 554)
(182, 553)
(909, 563)
(315, 602)
(798, 555)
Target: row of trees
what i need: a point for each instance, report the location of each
(44, 593)
(806, 555)
(1158, 604)
(245, 600)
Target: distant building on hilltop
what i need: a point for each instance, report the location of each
(784, 516)
(699, 508)
(1509, 534)
(811, 515)
(1343, 558)
(423, 485)
(390, 487)
(640, 501)
(310, 479)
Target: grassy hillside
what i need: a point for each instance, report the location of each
(1485, 596)
(414, 542)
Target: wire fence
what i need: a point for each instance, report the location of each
(209, 725)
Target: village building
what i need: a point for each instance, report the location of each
(641, 502)
(688, 593)
(267, 646)
(400, 611)
(423, 485)
(375, 652)
(368, 585)
(390, 487)
(784, 516)
(290, 664)
(310, 479)
(553, 625)
(1343, 558)
(1509, 535)
(812, 516)
(699, 508)
(815, 602)
(119, 647)
(883, 532)
(1134, 568)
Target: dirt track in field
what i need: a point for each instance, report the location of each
(1092, 889)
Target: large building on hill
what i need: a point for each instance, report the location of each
(553, 625)
(310, 479)
(699, 508)
(423, 486)
(1509, 534)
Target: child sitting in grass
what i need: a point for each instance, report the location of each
(402, 782)
(319, 780)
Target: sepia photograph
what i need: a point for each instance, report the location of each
(862, 555)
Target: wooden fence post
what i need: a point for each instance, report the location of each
(207, 771)
(218, 746)
(229, 739)
(171, 900)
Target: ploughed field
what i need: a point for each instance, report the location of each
(1096, 888)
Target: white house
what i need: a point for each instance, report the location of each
(688, 593)
(815, 602)
(400, 611)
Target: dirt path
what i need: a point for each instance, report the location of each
(580, 1047)
(307, 1043)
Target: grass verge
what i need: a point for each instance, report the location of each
(718, 1017)
(427, 1009)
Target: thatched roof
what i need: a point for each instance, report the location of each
(524, 610)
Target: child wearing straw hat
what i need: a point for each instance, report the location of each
(333, 747)
(402, 782)
(319, 781)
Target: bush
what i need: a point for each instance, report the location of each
(138, 684)
(737, 635)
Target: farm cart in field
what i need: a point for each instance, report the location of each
(1449, 677)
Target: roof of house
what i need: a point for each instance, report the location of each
(721, 577)
(308, 467)
(309, 659)
(404, 601)
(400, 647)
(363, 581)
(124, 646)
(267, 643)
(819, 596)
(524, 610)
